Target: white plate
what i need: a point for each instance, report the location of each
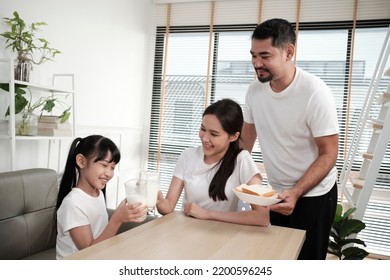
(256, 199)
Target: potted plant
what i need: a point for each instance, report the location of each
(342, 234)
(22, 40)
(25, 120)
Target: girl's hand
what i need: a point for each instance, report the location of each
(194, 210)
(135, 212)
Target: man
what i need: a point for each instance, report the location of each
(294, 117)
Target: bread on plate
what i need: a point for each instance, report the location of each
(257, 194)
(256, 190)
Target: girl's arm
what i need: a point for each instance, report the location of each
(82, 236)
(259, 215)
(167, 205)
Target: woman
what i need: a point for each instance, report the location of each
(210, 172)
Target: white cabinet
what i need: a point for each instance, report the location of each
(62, 87)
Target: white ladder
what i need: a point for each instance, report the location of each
(380, 134)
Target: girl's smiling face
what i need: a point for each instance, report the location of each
(95, 175)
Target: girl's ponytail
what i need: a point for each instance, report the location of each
(69, 177)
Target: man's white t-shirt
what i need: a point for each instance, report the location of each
(79, 209)
(197, 177)
(286, 124)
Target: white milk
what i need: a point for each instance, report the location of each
(152, 191)
(133, 198)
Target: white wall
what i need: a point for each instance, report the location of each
(106, 44)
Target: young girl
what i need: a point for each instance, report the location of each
(82, 218)
(209, 172)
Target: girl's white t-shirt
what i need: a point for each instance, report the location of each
(197, 177)
(79, 209)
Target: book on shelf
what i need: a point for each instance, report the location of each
(56, 125)
(49, 119)
(54, 132)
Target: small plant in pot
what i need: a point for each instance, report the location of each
(342, 234)
(26, 121)
(22, 39)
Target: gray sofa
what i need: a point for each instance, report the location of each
(27, 214)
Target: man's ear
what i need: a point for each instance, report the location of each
(81, 161)
(290, 51)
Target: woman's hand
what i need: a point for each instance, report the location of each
(160, 197)
(194, 210)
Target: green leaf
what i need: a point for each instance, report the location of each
(18, 87)
(350, 227)
(65, 115)
(354, 253)
(346, 241)
(349, 213)
(20, 101)
(48, 105)
(335, 248)
(20, 104)
(4, 87)
(339, 211)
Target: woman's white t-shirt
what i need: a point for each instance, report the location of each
(79, 209)
(197, 177)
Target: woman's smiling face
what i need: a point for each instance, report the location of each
(215, 140)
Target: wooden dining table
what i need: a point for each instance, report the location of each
(178, 237)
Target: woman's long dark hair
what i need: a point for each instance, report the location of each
(90, 146)
(229, 114)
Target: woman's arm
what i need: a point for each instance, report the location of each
(258, 216)
(167, 205)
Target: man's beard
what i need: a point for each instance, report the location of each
(264, 79)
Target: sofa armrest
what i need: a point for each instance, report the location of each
(126, 226)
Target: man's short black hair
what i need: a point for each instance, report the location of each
(280, 30)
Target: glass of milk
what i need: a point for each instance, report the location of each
(152, 179)
(135, 191)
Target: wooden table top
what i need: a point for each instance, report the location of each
(178, 237)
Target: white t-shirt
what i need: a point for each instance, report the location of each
(79, 209)
(286, 124)
(197, 177)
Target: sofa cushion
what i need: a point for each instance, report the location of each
(49, 254)
(27, 212)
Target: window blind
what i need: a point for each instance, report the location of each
(196, 67)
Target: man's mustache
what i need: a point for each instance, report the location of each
(261, 69)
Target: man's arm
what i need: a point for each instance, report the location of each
(248, 136)
(327, 156)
